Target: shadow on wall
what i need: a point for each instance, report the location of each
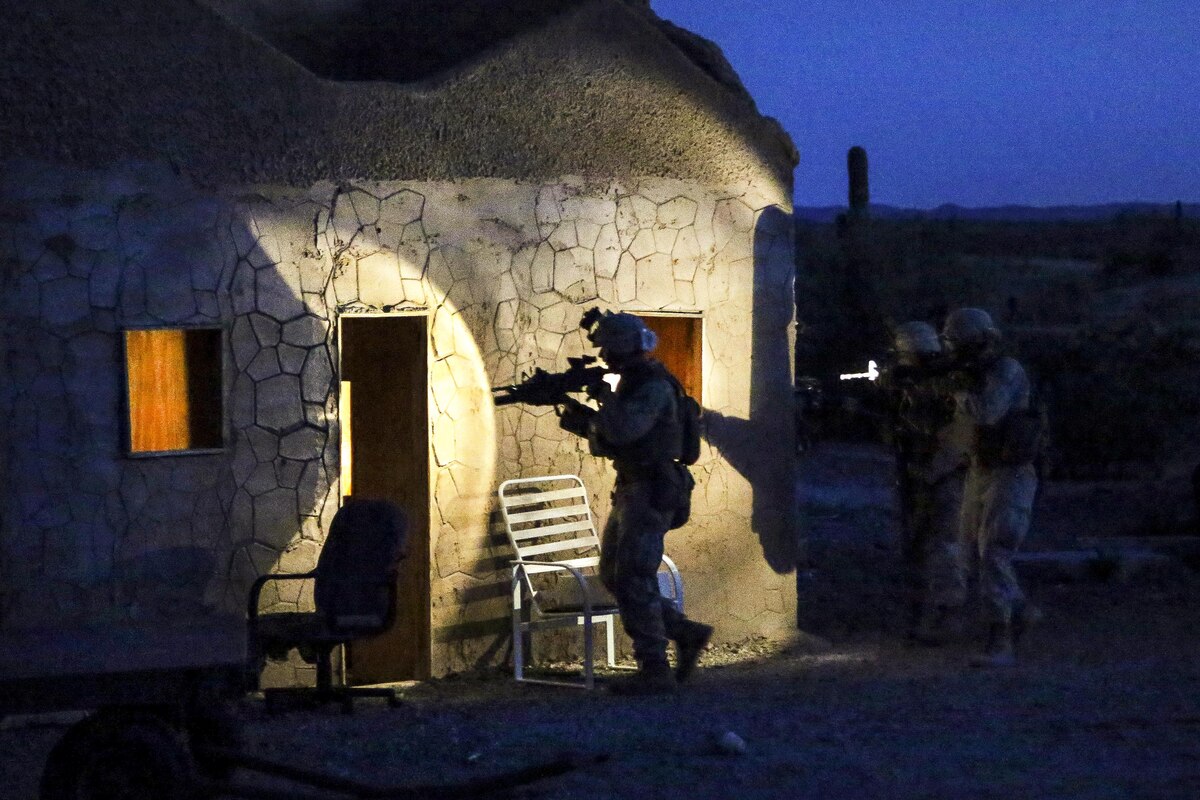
(760, 448)
(161, 533)
(283, 427)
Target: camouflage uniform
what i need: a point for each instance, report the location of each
(638, 428)
(932, 454)
(997, 499)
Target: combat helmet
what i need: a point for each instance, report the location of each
(970, 328)
(622, 333)
(916, 338)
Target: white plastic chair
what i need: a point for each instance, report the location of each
(550, 527)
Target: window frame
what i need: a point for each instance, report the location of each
(698, 316)
(126, 424)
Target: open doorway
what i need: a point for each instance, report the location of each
(385, 455)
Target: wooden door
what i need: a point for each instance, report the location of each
(385, 422)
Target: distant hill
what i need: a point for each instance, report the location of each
(1012, 213)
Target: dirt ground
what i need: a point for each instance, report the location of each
(1104, 704)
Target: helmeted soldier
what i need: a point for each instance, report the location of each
(1001, 480)
(638, 426)
(931, 461)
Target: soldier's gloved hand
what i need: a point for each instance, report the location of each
(573, 416)
(599, 391)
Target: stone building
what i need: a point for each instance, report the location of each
(250, 244)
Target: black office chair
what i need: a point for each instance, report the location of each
(354, 594)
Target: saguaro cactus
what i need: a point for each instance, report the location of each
(860, 195)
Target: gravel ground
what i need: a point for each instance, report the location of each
(1105, 702)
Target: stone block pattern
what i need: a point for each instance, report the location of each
(501, 269)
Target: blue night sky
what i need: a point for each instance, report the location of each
(1036, 102)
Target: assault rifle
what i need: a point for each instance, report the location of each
(544, 388)
(872, 373)
(891, 374)
(861, 404)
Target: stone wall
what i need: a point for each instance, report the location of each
(501, 269)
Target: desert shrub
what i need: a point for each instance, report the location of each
(1061, 300)
(1117, 392)
(1099, 427)
(1123, 266)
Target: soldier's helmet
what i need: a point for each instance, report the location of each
(970, 327)
(916, 338)
(623, 333)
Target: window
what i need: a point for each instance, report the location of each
(680, 348)
(174, 389)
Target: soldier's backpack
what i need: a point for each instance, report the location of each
(683, 496)
(687, 412)
(689, 423)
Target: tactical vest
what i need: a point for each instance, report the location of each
(662, 455)
(920, 412)
(663, 442)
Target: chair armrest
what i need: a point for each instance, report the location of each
(676, 581)
(253, 652)
(518, 568)
(262, 580)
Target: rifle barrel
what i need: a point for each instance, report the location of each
(505, 395)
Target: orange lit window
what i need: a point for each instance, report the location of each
(679, 348)
(174, 389)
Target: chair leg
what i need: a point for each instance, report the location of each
(611, 642)
(589, 646)
(518, 638)
(326, 692)
(324, 673)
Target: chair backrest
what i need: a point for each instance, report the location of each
(549, 519)
(355, 587)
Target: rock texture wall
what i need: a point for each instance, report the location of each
(501, 268)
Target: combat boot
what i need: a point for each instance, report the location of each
(688, 648)
(652, 677)
(999, 651)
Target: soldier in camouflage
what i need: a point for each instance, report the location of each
(931, 461)
(638, 427)
(1001, 480)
